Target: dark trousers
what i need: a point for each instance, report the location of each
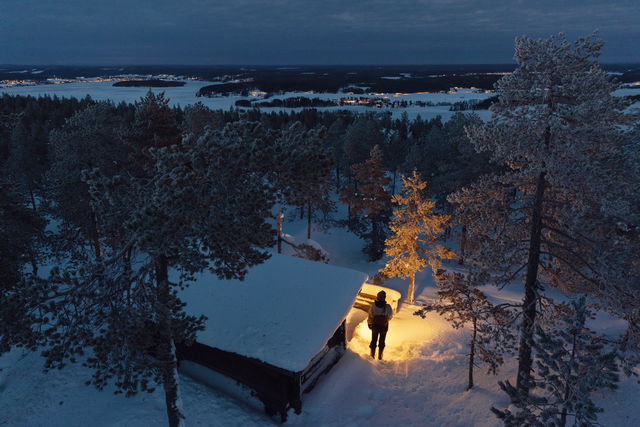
(375, 333)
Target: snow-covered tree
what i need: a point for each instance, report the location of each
(548, 218)
(621, 296)
(334, 142)
(414, 231)
(20, 226)
(571, 363)
(370, 198)
(202, 204)
(204, 208)
(155, 125)
(360, 137)
(198, 116)
(463, 305)
(89, 139)
(304, 169)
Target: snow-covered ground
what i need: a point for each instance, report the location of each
(421, 382)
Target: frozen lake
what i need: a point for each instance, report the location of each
(186, 95)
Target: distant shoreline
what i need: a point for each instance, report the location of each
(149, 83)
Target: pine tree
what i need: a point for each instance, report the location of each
(462, 304)
(370, 198)
(335, 144)
(548, 218)
(395, 152)
(414, 230)
(20, 228)
(155, 125)
(360, 137)
(621, 296)
(203, 204)
(304, 169)
(89, 139)
(571, 363)
(198, 117)
(27, 159)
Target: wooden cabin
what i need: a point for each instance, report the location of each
(270, 338)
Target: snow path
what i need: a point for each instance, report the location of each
(421, 382)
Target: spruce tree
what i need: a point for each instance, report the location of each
(414, 231)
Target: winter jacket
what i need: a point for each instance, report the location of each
(379, 315)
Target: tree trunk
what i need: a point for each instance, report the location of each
(337, 178)
(33, 199)
(393, 189)
(279, 218)
(97, 247)
(33, 261)
(530, 291)
(412, 286)
(463, 244)
(302, 211)
(309, 220)
(350, 216)
(167, 350)
(472, 353)
(563, 415)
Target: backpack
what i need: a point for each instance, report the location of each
(380, 320)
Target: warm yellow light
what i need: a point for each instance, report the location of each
(407, 336)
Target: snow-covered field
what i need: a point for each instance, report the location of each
(421, 382)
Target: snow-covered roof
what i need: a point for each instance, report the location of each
(283, 313)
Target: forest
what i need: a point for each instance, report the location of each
(101, 202)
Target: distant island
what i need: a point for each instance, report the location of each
(149, 83)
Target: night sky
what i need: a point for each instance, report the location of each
(302, 31)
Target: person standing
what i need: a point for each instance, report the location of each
(379, 315)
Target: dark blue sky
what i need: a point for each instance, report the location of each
(302, 31)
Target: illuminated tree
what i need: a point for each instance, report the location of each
(414, 230)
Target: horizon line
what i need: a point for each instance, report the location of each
(277, 65)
